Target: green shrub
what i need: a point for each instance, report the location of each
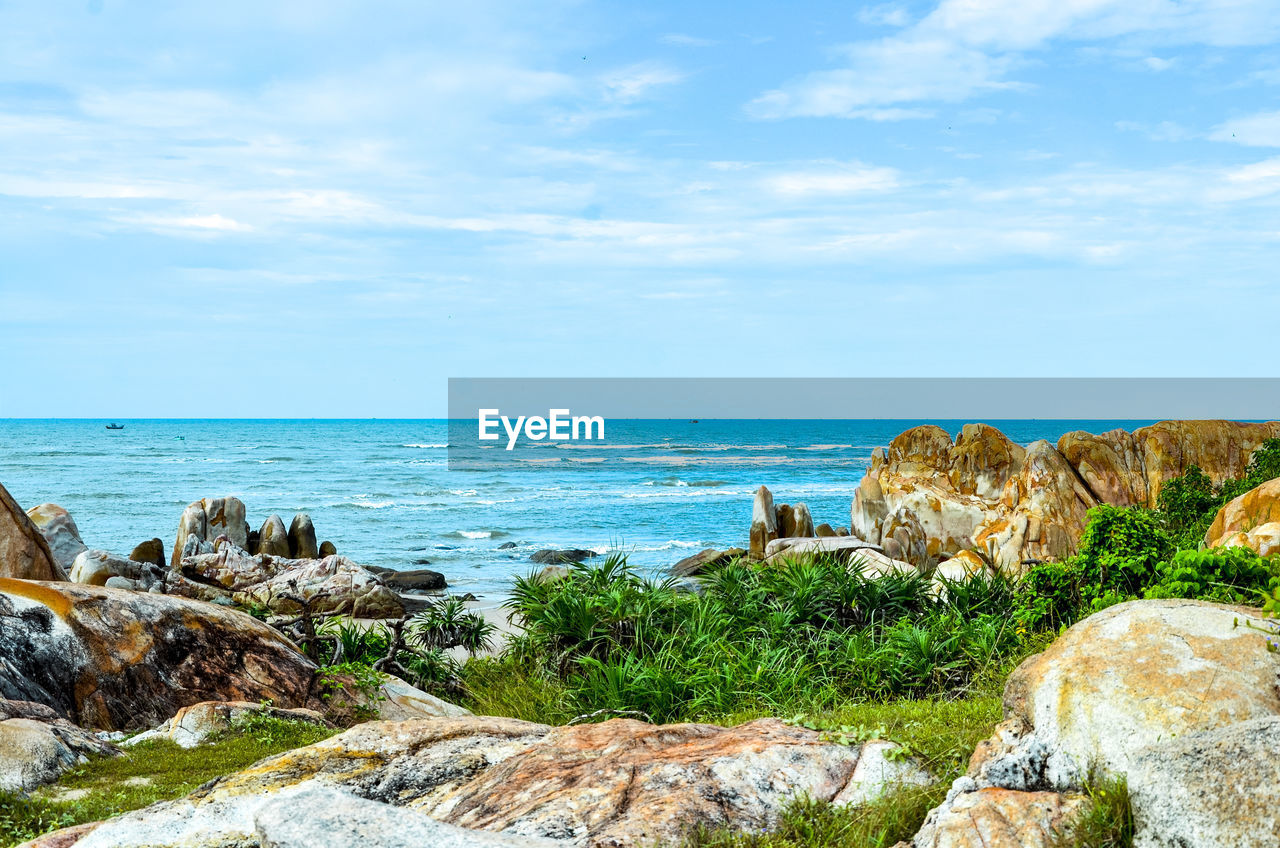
(1187, 505)
(1120, 550)
(1049, 596)
(1229, 575)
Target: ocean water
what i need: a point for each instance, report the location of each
(383, 493)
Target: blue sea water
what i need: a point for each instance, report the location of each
(382, 491)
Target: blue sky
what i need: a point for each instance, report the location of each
(328, 208)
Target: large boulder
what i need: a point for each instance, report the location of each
(1178, 697)
(705, 560)
(843, 548)
(561, 556)
(116, 660)
(999, 818)
(37, 745)
(24, 553)
(95, 568)
(150, 551)
(208, 519)
(621, 783)
(1251, 520)
(1028, 504)
(273, 538)
(302, 538)
(764, 523)
(60, 531)
(334, 584)
(411, 580)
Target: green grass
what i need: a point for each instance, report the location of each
(146, 773)
(1105, 822)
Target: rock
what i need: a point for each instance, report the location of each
(506, 546)
(60, 531)
(95, 568)
(24, 553)
(193, 725)
(903, 537)
(1204, 790)
(209, 518)
(842, 531)
(962, 566)
(273, 539)
(824, 530)
(843, 549)
(566, 556)
(398, 701)
(416, 580)
(764, 523)
(1135, 674)
(334, 584)
(302, 538)
(1019, 504)
(552, 573)
(621, 783)
(705, 560)
(998, 818)
(1252, 520)
(115, 660)
(327, 549)
(151, 551)
(801, 523)
(37, 746)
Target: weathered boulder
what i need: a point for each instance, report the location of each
(60, 531)
(705, 560)
(24, 553)
(95, 568)
(1251, 520)
(824, 530)
(273, 539)
(999, 818)
(415, 580)
(843, 548)
(208, 519)
(150, 551)
(620, 783)
(562, 556)
(37, 745)
(333, 584)
(115, 660)
(327, 549)
(1023, 504)
(764, 523)
(793, 521)
(193, 725)
(302, 538)
(398, 701)
(962, 566)
(1215, 788)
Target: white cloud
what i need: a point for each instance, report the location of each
(887, 15)
(627, 85)
(679, 39)
(1157, 64)
(1260, 130)
(856, 179)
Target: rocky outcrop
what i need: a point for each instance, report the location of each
(1251, 520)
(705, 560)
(60, 531)
(194, 725)
(115, 660)
(24, 553)
(37, 745)
(327, 549)
(764, 523)
(208, 519)
(99, 568)
(333, 584)
(621, 783)
(273, 538)
(841, 548)
(302, 538)
(1180, 697)
(925, 498)
(561, 556)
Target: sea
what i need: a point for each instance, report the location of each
(383, 493)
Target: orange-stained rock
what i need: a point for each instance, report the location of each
(616, 784)
(116, 659)
(1110, 464)
(1222, 449)
(1251, 520)
(999, 818)
(24, 553)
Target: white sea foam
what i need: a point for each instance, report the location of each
(427, 446)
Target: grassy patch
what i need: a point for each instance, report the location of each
(1106, 821)
(513, 688)
(146, 773)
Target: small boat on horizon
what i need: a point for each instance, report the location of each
(115, 426)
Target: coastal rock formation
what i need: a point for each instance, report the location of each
(563, 556)
(764, 523)
(705, 560)
(843, 548)
(208, 519)
(824, 529)
(327, 549)
(273, 539)
(302, 538)
(60, 531)
(37, 745)
(150, 551)
(1251, 520)
(621, 783)
(415, 580)
(333, 584)
(116, 660)
(24, 553)
(925, 498)
(1178, 696)
(193, 725)
(96, 568)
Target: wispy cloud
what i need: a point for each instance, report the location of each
(636, 82)
(1258, 130)
(679, 39)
